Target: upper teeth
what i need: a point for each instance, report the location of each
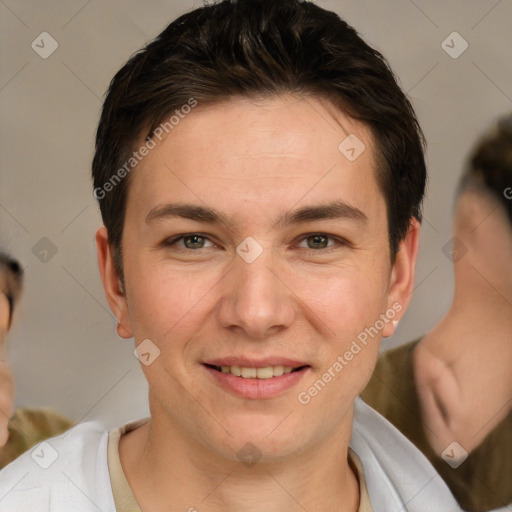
(256, 373)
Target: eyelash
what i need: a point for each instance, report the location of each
(340, 241)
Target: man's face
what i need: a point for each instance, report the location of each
(262, 287)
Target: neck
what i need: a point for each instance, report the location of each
(165, 465)
(462, 366)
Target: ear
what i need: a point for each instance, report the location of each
(116, 296)
(402, 276)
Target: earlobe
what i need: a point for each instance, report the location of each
(112, 284)
(402, 276)
(122, 332)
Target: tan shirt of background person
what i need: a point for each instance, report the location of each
(451, 392)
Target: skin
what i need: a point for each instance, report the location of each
(253, 161)
(462, 366)
(6, 380)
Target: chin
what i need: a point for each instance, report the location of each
(264, 442)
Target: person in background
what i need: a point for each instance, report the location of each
(451, 391)
(26, 427)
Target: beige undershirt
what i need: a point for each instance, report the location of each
(125, 500)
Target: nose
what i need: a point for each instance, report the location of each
(256, 300)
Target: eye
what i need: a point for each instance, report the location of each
(316, 242)
(189, 241)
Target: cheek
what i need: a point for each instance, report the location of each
(164, 300)
(348, 307)
(347, 300)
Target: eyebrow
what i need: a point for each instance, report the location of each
(333, 210)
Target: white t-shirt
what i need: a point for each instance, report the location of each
(70, 472)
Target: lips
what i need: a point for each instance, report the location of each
(255, 370)
(258, 380)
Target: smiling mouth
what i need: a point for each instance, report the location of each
(267, 372)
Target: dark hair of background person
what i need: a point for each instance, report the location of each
(489, 166)
(261, 49)
(11, 281)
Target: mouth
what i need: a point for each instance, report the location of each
(251, 372)
(256, 379)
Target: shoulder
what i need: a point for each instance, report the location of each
(29, 426)
(68, 472)
(396, 472)
(37, 420)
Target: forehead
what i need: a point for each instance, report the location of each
(266, 150)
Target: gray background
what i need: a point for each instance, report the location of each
(64, 350)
